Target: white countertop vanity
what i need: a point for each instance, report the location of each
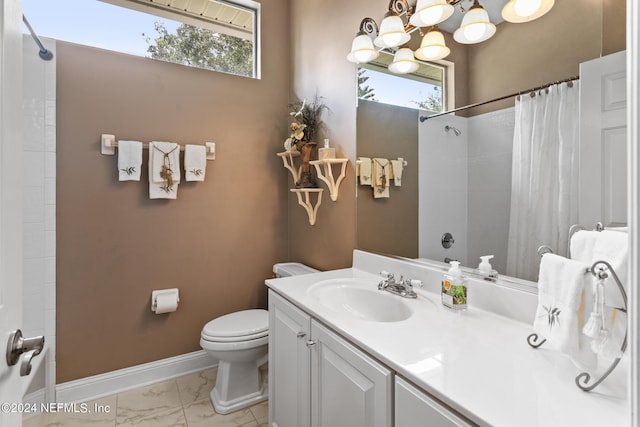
(343, 353)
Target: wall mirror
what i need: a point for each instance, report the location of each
(467, 174)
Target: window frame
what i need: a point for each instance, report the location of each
(175, 15)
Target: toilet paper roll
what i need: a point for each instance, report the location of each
(166, 303)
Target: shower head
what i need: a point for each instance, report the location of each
(457, 131)
(46, 55)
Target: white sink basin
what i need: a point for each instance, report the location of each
(360, 299)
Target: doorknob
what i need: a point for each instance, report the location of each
(18, 345)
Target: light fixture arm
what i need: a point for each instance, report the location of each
(399, 6)
(368, 27)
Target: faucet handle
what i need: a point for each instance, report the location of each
(416, 282)
(410, 283)
(387, 275)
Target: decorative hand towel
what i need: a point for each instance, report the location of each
(129, 160)
(396, 171)
(613, 247)
(164, 170)
(616, 325)
(560, 285)
(380, 177)
(365, 171)
(195, 162)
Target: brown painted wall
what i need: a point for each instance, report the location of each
(521, 56)
(216, 242)
(321, 34)
(389, 225)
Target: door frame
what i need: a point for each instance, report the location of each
(633, 164)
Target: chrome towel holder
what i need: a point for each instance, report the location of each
(601, 270)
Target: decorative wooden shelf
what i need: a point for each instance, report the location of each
(312, 210)
(287, 160)
(332, 183)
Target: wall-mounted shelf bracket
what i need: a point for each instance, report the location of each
(332, 183)
(312, 210)
(287, 160)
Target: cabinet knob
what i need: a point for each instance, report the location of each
(311, 343)
(301, 334)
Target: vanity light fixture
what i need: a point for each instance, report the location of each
(518, 11)
(475, 27)
(433, 46)
(402, 19)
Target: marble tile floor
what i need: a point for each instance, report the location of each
(183, 401)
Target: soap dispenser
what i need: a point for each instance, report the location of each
(454, 288)
(326, 152)
(485, 269)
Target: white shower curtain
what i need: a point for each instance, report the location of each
(544, 187)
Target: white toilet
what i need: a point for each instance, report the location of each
(239, 341)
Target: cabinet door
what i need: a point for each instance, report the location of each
(415, 409)
(348, 388)
(289, 330)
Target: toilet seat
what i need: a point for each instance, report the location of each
(246, 325)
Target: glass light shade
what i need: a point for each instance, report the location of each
(403, 62)
(518, 11)
(432, 47)
(430, 12)
(391, 33)
(362, 50)
(475, 27)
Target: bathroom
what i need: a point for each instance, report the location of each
(217, 243)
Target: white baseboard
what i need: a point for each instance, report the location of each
(97, 386)
(35, 399)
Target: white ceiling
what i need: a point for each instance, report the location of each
(493, 8)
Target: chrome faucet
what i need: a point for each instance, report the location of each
(403, 288)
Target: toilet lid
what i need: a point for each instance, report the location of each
(241, 325)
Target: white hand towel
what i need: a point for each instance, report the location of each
(195, 162)
(582, 244)
(129, 160)
(165, 154)
(613, 247)
(560, 287)
(365, 170)
(380, 177)
(396, 171)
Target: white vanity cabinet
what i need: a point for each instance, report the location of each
(414, 408)
(348, 388)
(318, 379)
(290, 363)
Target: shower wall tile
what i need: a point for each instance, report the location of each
(49, 165)
(33, 204)
(39, 203)
(50, 191)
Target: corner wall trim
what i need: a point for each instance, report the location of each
(97, 386)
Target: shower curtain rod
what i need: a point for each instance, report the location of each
(44, 53)
(477, 104)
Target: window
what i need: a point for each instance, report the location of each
(423, 89)
(212, 34)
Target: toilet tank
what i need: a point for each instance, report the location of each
(286, 269)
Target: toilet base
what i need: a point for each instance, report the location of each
(249, 386)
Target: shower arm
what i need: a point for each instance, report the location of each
(44, 52)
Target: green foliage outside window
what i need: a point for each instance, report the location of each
(199, 47)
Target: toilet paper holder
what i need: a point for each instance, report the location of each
(162, 292)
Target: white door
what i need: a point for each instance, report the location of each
(11, 385)
(348, 388)
(289, 363)
(603, 141)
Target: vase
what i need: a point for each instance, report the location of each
(306, 178)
